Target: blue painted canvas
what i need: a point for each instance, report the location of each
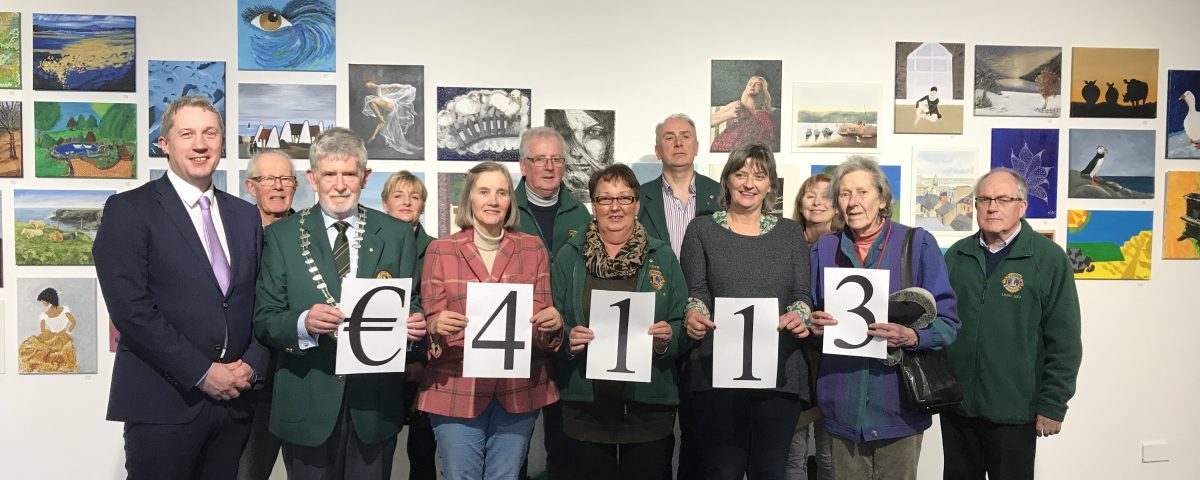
(93, 53)
(892, 172)
(1032, 152)
(1183, 121)
(1111, 163)
(477, 124)
(295, 35)
(171, 80)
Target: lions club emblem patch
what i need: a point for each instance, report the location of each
(1013, 282)
(383, 274)
(656, 278)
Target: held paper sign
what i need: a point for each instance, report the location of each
(498, 341)
(856, 297)
(745, 342)
(622, 347)
(374, 336)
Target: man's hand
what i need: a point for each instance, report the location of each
(448, 323)
(579, 338)
(225, 381)
(416, 326)
(547, 320)
(322, 318)
(1047, 427)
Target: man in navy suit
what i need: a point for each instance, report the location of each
(177, 262)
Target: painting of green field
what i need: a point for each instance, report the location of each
(10, 50)
(85, 139)
(56, 227)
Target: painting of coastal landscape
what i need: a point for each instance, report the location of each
(1018, 81)
(1111, 163)
(835, 115)
(56, 227)
(93, 53)
(85, 140)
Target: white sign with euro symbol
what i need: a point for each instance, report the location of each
(855, 297)
(745, 342)
(498, 341)
(622, 346)
(374, 336)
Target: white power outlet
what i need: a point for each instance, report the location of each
(1156, 451)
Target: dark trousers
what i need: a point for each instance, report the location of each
(421, 448)
(689, 467)
(974, 446)
(343, 456)
(627, 461)
(258, 458)
(206, 448)
(744, 434)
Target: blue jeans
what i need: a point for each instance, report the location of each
(488, 447)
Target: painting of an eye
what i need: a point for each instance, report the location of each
(270, 21)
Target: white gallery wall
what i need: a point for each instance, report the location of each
(645, 60)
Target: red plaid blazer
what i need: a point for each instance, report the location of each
(450, 264)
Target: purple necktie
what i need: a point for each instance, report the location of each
(216, 254)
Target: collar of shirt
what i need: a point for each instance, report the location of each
(352, 233)
(190, 196)
(983, 243)
(188, 192)
(668, 192)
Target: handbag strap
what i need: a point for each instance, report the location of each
(906, 259)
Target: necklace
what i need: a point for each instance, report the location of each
(306, 242)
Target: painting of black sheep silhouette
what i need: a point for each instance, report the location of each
(1135, 91)
(1110, 95)
(1091, 92)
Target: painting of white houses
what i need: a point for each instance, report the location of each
(284, 117)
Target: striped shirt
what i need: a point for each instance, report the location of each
(679, 213)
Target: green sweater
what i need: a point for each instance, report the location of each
(1018, 351)
(572, 218)
(660, 267)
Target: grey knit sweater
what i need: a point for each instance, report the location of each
(720, 263)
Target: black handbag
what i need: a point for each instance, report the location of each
(929, 383)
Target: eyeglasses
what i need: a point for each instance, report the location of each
(288, 181)
(1003, 201)
(606, 200)
(541, 161)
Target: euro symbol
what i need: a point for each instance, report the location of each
(357, 323)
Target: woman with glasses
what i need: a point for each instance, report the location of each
(746, 251)
(867, 431)
(483, 425)
(616, 429)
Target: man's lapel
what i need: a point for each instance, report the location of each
(170, 202)
(238, 256)
(322, 253)
(655, 218)
(369, 250)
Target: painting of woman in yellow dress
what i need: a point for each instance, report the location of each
(52, 349)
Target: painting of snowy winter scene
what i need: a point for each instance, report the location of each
(1017, 81)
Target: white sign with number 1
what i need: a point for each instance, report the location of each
(620, 323)
(745, 342)
(498, 341)
(855, 297)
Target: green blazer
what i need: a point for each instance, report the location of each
(307, 395)
(653, 215)
(573, 217)
(423, 240)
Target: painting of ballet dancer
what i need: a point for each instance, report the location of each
(744, 104)
(835, 115)
(929, 87)
(1181, 219)
(1033, 153)
(1018, 81)
(589, 135)
(170, 80)
(283, 116)
(476, 124)
(1183, 121)
(387, 109)
(91, 53)
(1108, 163)
(1114, 82)
(286, 35)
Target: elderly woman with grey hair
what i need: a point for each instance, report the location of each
(868, 431)
(746, 251)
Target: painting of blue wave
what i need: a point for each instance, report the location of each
(296, 35)
(171, 80)
(94, 53)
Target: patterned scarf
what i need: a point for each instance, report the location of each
(627, 261)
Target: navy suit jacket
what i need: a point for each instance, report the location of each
(164, 300)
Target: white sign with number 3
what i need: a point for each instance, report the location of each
(622, 346)
(498, 341)
(856, 297)
(745, 342)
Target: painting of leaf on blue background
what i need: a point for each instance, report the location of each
(1033, 153)
(94, 53)
(296, 35)
(171, 80)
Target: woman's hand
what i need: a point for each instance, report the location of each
(547, 320)
(793, 322)
(579, 338)
(698, 325)
(820, 320)
(448, 323)
(661, 331)
(898, 336)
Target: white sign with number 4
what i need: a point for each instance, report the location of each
(498, 341)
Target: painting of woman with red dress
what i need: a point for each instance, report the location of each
(743, 103)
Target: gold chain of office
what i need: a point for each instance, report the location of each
(306, 242)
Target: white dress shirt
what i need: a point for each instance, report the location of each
(191, 202)
(307, 341)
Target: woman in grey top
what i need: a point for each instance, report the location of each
(746, 251)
